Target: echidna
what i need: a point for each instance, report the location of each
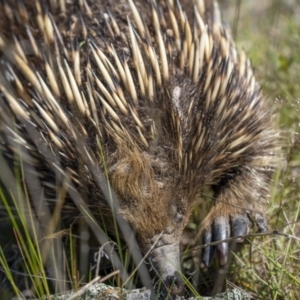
(154, 95)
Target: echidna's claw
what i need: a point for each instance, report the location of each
(222, 251)
(208, 252)
(221, 232)
(239, 227)
(261, 224)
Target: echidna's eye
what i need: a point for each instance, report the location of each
(178, 217)
(176, 213)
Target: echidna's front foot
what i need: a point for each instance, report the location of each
(221, 224)
(221, 229)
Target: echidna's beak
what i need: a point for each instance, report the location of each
(166, 262)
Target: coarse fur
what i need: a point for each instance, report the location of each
(158, 87)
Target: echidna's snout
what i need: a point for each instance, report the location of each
(165, 259)
(174, 284)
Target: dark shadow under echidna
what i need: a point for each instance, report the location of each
(151, 95)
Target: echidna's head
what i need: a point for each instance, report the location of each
(156, 203)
